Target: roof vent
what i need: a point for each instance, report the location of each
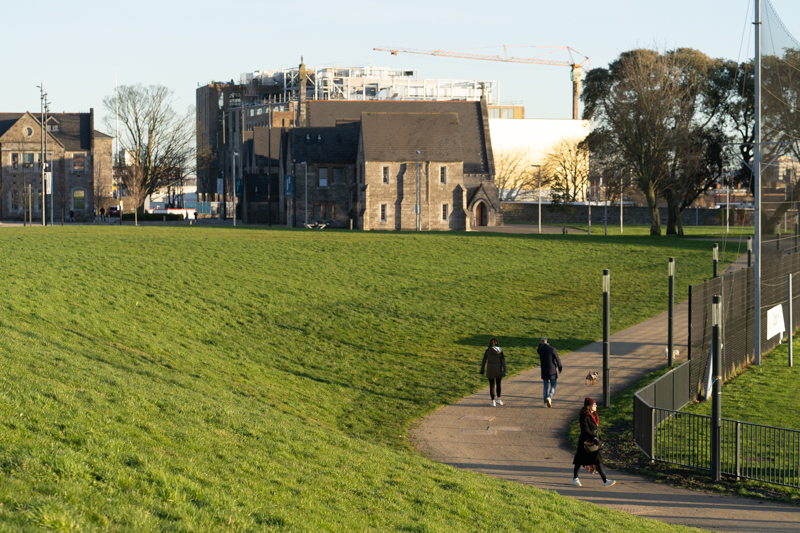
(308, 137)
(319, 137)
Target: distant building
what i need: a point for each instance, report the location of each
(78, 155)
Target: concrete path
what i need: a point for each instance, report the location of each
(524, 441)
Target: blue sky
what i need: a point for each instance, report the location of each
(180, 43)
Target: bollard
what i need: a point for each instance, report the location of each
(606, 337)
(715, 255)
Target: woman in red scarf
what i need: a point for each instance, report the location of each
(588, 441)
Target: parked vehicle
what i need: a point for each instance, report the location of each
(113, 211)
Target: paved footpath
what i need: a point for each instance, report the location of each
(524, 441)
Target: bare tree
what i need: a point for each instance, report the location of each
(513, 172)
(160, 140)
(566, 165)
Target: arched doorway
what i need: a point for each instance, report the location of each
(480, 214)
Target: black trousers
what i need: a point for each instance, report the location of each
(598, 466)
(494, 383)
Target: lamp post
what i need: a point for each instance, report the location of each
(540, 195)
(235, 155)
(671, 314)
(305, 209)
(606, 337)
(417, 209)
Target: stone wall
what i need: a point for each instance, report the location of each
(529, 212)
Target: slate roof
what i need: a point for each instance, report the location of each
(398, 136)
(338, 144)
(325, 113)
(74, 129)
(263, 138)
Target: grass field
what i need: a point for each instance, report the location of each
(199, 379)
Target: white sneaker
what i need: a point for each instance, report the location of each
(494, 403)
(609, 482)
(549, 402)
(499, 401)
(576, 482)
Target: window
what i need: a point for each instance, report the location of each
(77, 162)
(16, 200)
(14, 160)
(27, 160)
(444, 212)
(494, 113)
(78, 199)
(442, 175)
(508, 113)
(323, 177)
(260, 110)
(386, 174)
(317, 212)
(252, 112)
(338, 175)
(383, 212)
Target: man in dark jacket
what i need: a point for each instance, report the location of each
(550, 364)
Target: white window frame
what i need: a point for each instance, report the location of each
(385, 175)
(384, 208)
(442, 175)
(445, 212)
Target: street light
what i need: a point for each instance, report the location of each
(235, 155)
(540, 195)
(417, 210)
(305, 214)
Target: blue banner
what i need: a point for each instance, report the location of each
(289, 187)
(238, 187)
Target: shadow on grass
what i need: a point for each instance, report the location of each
(562, 345)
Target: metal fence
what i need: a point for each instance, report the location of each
(738, 316)
(747, 451)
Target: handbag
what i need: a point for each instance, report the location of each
(592, 447)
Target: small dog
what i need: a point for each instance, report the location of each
(591, 378)
(675, 353)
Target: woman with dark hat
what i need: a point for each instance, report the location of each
(494, 361)
(588, 453)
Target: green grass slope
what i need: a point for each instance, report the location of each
(207, 379)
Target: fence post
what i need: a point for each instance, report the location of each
(738, 449)
(606, 335)
(715, 255)
(749, 252)
(716, 407)
(671, 307)
(791, 319)
(652, 435)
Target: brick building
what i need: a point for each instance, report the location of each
(80, 160)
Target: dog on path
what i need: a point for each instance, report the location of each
(591, 378)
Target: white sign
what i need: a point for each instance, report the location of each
(220, 186)
(775, 321)
(48, 182)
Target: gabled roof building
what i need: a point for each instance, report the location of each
(79, 157)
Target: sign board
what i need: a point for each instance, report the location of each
(48, 183)
(289, 188)
(238, 187)
(220, 186)
(775, 321)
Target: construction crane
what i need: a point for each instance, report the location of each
(542, 59)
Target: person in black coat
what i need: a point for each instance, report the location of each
(494, 362)
(589, 435)
(550, 364)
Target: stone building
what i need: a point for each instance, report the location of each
(456, 162)
(80, 159)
